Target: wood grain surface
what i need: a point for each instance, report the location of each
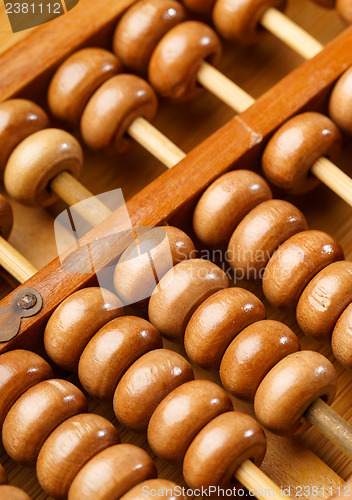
(257, 69)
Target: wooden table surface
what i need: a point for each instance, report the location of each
(256, 69)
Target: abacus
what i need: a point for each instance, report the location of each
(157, 363)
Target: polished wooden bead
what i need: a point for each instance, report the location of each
(180, 292)
(295, 263)
(19, 118)
(6, 217)
(220, 448)
(291, 387)
(141, 28)
(69, 447)
(155, 487)
(182, 414)
(344, 8)
(342, 339)
(324, 299)
(240, 21)
(77, 79)
(260, 233)
(224, 204)
(294, 149)
(199, 6)
(112, 473)
(341, 102)
(253, 353)
(8, 492)
(3, 475)
(36, 414)
(36, 161)
(175, 62)
(112, 351)
(19, 370)
(216, 323)
(146, 383)
(146, 261)
(112, 109)
(75, 321)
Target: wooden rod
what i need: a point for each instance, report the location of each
(334, 178)
(14, 263)
(258, 483)
(331, 425)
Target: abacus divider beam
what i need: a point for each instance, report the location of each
(291, 34)
(14, 263)
(334, 178)
(252, 478)
(72, 192)
(331, 425)
(155, 142)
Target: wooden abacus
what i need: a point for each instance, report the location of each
(25, 72)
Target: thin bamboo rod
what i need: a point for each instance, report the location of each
(14, 263)
(258, 483)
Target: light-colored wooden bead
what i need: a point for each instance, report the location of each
(291, 387)
(182, 414)
(112, 351)
(324, 299)
(141, 28)
(253, 353)
(146, 383)
(294, 149)
(221, 447)
(155, 252)
(224, 204)
(112, 473)
(19, 118)
(164, 488)
(340, 103)
(8, 492)
(199, 6)
(216, 323)
(69, 447)
(19, 370)
(77, 79)
(240, 21)
(180, 292)
(344, 8)
(75, 321)
(6, 217)
(175, 62)
(342, 339)
(260, 233)
(36, 414)
(113, 108)
(3, 475)
(36, 161)
(295, 263)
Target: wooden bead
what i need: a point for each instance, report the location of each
(12, 493)
(240, 21)
(295, 263)
(344, 8)
(77, 79)
(324, 299)
(221, 447)
(19, 370)
(75, 321)
(342, 339)
(253, 353)
(6, 217)
(19, 118)
(36, 414)
(112, 109)
(341, 102)
(141, 28)
(224, 204)
(162, 487)
(155, 253)
(182, 414)
(69, 447)
(146, 383)
(180, 292)
(216, 323)
(112, 472)
(294, 149)
(199, 6)
(260, 233)
(36, 161)
(175, 62)
(291, 387)
(3, 475)
(112, 351)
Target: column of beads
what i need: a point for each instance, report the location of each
(176, 63)
(45, 424)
